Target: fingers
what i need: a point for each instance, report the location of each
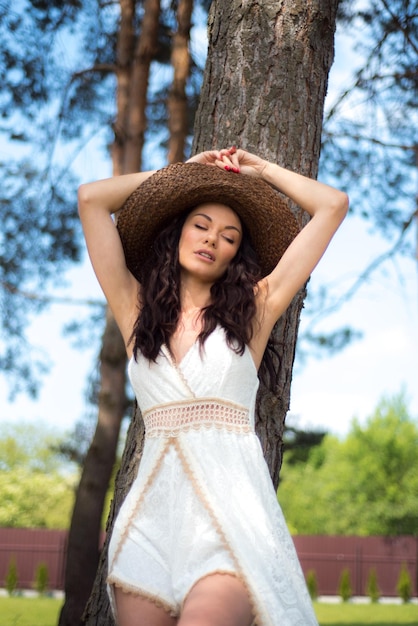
(226, 159)
(209, 157)
(229, 160)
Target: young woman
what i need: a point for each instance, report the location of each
(205, 258)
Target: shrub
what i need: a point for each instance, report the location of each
(12, 577)
(404, 585)
(372, 587)
(312, 584)
(41, 579)
(344, 589)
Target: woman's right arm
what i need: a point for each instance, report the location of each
(97, 202)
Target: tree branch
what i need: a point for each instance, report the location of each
(51, 299)
(388, 254)
(401, 26)
(373, 140)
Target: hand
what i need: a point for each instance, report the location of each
(211, 157)
(247, 163)
(232, 160)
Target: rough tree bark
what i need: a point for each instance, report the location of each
(264, 89)
(134, 56)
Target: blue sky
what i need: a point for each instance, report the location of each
(326, 393)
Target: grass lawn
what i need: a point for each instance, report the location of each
(366, 614)
(18, 611)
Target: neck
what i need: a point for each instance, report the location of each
(193, 297)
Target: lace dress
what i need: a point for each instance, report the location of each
(203, 500)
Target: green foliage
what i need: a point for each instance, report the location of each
(41, 579)
(344, 588)
(298, 444)
(34, 446)
(36, 485)
(12, 577)
(312, 584)
(365, 484)
(35, 500)
(372, 587)
(404, 584)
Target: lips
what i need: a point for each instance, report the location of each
(205, 254)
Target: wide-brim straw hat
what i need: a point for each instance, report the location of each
(179, 188)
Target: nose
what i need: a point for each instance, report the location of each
(210, 240)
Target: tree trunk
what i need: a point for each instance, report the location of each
(136, 121)
(98, 612)
(133, 62)
(83, 540)
(177, 99)
(124, 54)
(264, 89)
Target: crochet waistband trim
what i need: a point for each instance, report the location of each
(170, 420)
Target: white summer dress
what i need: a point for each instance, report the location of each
(203, 501)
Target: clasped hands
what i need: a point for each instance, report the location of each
(233, 160)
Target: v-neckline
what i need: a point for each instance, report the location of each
(177, 366)
(172, 356)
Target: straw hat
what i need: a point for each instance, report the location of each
(179, 188)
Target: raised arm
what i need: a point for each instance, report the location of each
(97, 202)
(327, 207)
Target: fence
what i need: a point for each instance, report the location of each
(326, 555)
(30, 547)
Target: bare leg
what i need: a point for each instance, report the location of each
(134, 610)
(217, 600)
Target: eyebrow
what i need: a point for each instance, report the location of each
(231, 227)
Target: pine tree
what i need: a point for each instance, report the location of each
(12, 577)
(41, 579)
(404, 585)
(372, 587)
(312, 584)
(344, 590)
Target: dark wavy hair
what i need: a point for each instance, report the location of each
(232, 296)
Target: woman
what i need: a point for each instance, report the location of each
(204, 260)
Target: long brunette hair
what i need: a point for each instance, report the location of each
(232, 296)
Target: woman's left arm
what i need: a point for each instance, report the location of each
(327, 207)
